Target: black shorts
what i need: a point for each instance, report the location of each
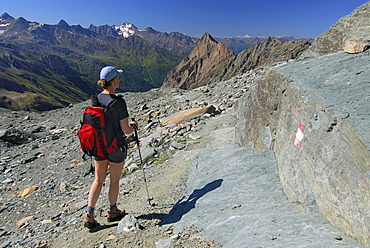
(118, 156)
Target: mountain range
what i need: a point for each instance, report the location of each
(49, 66)
(43, 66)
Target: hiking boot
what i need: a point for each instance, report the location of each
(89, 221)
(115, 215)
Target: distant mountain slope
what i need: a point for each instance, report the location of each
(61, 63)
(45, 81)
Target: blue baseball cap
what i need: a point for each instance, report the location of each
(109, 72)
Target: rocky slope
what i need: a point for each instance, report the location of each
(44, 183)
(211, 61)
(189, 73)
(355, 26)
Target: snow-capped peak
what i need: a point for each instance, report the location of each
(5, 20)
(126, 29)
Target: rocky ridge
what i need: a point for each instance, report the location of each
(43, 67)
(211, 61)
(269, 52)
(240, 43)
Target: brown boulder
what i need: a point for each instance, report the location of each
(183, 115)
(353, 46)
(28, 190)
(23, 222)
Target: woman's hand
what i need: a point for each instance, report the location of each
(128, 128)
(134, 125)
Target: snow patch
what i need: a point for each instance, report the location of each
(35, 25)
(126, 30)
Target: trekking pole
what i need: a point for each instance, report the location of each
(101, 209)
(142, 165)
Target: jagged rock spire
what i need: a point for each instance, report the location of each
(63, 23)
(198, 68)
(207, 38)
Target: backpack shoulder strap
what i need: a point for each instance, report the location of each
(119, 98)
(95, 101)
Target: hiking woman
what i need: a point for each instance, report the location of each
(118, 121)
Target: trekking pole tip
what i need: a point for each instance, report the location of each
(151, 203)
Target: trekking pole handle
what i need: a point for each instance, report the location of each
(133, 125)
(135, 131)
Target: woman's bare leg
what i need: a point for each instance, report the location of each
(101, 168)
(115, 175)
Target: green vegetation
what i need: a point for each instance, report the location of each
(160, 161)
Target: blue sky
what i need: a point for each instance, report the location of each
(298, 18)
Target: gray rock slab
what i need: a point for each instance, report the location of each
(236, 199)
(221, 137)
(339, 82)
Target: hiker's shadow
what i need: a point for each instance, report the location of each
(102, 227)
(184, 205)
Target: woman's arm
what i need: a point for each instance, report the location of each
(126, 127)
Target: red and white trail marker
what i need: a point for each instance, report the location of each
(299, 135)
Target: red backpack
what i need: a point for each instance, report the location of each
(98, 136)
